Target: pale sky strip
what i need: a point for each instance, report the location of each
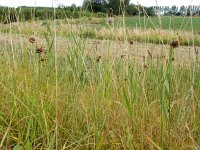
(49, 3)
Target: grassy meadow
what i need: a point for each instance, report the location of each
(65, 84)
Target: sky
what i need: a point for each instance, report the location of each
(49, 3)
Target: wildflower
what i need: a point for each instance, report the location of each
(110, 21)
(32, 40)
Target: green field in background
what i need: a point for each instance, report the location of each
(167, 22)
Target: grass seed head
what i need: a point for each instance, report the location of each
(145, 66)
(174, 44)
(131, 42)
(44, 59)
(122, 56)
(40, 50)
(98, 58)
(32, 40)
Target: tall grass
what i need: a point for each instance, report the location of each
(80, 99)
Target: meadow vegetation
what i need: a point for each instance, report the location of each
(80, 99)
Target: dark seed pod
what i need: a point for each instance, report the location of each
(98, 58)
(40, 50)
(174, 44)
(131, 42)
(32, 40)
(145, 66)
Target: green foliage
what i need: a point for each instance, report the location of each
(150, 11)
(95, 5)
(98, 8)
(132, 10)
(38, 13)
(100, 15)
(76, 14)
(118, 6)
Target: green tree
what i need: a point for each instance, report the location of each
(150, 11)
(166, 10)
(95, 5)
(189, 11)
(182, 10)
(174, 10)
(118, 6)
(132, 10)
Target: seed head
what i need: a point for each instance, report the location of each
(32, 40)
(145, 66)
(131, 42)
(98, 58)
(44, 59)
(40, 50)
(176, 43)
(122, 56)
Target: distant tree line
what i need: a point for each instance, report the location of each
(119, 7)
(178, 11)
(23, 13)
(95, 8)
(38, 13)
(125, 7)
